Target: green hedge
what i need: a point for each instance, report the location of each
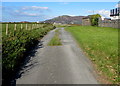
(14, 47)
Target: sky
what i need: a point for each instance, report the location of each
(40, 11)
(60, 0)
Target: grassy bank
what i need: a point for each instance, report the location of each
(101, 45)
(55, 41)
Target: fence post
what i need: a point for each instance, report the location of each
(6, 29)
(39, 25)
(35, 25)
(32, 26)
(21, 26)
(29, 26)
(26, 26)
(15, 26)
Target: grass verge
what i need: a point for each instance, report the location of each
(55, 41)
(101, 45)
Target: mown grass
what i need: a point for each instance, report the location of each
(101, 45)
(55, 41)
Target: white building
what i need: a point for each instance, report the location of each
(115, 13)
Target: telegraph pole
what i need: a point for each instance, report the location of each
(93, 12)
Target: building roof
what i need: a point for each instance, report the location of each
(107, 18)
(87, 17)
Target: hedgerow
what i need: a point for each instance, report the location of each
(14, 47)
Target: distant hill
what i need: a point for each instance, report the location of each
(65, 19)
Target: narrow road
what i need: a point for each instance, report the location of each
(64, 64)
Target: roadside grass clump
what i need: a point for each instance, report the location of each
(15, 47)
(101, 45)
(55, 41)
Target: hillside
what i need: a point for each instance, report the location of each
(65, 19)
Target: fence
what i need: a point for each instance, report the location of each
(9, 28)
(110, 23)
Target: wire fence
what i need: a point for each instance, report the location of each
(10, 28)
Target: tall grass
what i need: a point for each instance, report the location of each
(55, 41)
(101, 45)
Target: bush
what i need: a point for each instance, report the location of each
(94, 19)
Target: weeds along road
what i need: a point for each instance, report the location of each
(64, 64)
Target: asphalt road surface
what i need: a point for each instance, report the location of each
(64, 64)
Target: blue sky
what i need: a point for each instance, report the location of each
(60, 1)
(40, 11)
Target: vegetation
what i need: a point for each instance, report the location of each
(94, 19)
(12, 31)
(15, 46)
(101, 45)
(55, 41)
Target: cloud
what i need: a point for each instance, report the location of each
(34, 8)
(64, 3)
(70, 15)
(117, 5)
(22, 13)
(104, 13)
(27, 11)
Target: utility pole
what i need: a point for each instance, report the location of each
(93, 12)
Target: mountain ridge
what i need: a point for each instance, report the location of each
(66, 19)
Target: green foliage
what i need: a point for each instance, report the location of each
(14, 46)
(94, 19)
(101, 45)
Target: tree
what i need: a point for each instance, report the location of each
(94, 19)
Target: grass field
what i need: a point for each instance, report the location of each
(101, 45)
(55, 41)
